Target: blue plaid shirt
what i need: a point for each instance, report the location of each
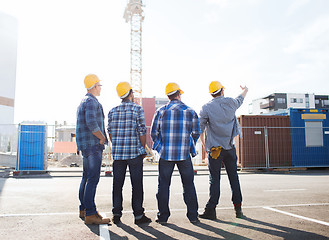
(126, 123)
(175, 130)
(90, 118)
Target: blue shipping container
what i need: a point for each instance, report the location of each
(309, 137)
(31, 153)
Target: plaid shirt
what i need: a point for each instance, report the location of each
(126, 123)
(175, 130)
(90, 118)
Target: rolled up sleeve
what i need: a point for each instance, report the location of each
(196, 131)
(203, 119)
(155, 128)
(91, 117)
(141, 128)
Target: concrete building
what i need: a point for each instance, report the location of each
(282, 101)
(8, 59)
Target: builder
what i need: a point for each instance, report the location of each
(175, 130)
(90, 138)
(219, 126)
(127, 131)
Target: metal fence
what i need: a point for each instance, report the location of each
(25, 148)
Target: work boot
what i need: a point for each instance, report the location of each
(195, 221)
(82, 214)
(142, 220)
(97, 213)
(238, 211)
(116, 219)
(161, 222)
(209, 214)
(96, 219)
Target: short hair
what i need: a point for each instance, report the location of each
(218, 94)
(130, 91)
(174, 96)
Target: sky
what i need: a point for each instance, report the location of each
(267, 45)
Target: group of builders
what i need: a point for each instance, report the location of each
(175, 130)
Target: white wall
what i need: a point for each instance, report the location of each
(255, 108)
(300, 97)
(8, 59)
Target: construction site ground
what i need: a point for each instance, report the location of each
(289, 204)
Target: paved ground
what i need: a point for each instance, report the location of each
(284, 205)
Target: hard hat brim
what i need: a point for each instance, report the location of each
(173, 92)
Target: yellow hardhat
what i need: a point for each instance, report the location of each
(123, 89)
(91, 80)
(215, 87)
(172, 88)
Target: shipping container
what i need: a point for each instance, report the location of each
(149, 110)
(31, 150)
(309, 137)
(265, 142)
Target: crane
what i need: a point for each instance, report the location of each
(134, 15)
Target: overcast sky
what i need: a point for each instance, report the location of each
(268, 45)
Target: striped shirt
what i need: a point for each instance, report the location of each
(126, 123)
(175, 130)
(90, 119)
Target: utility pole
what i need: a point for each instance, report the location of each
(134, 15)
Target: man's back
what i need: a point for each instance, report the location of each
(126, 125)
(175, 129)
(218, 116)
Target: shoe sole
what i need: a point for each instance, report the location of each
(210, 218)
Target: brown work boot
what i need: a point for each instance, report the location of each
(96, 219)
(82, 214)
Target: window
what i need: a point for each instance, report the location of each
(281, 100)
(293, 100)
(325, 102)
(317, 101)
(313, 134)
(300, 100)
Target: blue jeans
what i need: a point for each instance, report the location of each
(186, 171)
(228, 157)
(136, 177)
(92, 161)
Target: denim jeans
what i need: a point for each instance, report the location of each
(136, 177)
(186, 171)
(92, 161)
(229, 158)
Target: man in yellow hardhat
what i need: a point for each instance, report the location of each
(218, 121)
(175, 131)
(127, 131)
(90, 138)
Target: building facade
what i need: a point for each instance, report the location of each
(8, 59)
(277, 102)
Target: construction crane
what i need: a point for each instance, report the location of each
(134, 15)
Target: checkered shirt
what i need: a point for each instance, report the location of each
(90, 118)
(175, 131)
(126, 123)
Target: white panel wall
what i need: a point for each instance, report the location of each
(8, 59)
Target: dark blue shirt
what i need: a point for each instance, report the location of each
(90, 119)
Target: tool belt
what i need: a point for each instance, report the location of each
(215, 152)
